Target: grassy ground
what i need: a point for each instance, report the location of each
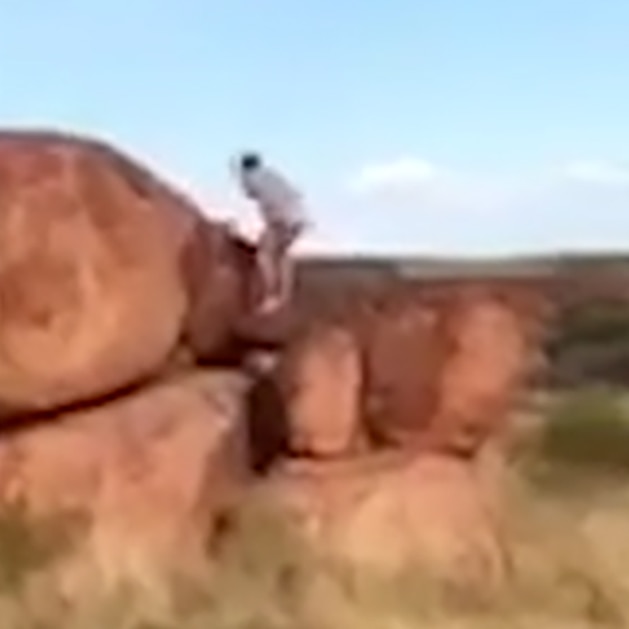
(567, 534)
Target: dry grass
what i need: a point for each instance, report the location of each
(569, 548)
(570, 570)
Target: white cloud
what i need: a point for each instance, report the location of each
(400, 174)
(597, 172)
(419, 185)
(413, 205)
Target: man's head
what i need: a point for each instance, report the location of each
(250, 161)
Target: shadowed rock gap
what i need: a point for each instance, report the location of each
(267, 422)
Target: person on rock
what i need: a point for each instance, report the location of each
(282, 210)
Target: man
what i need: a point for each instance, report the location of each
(281, 207)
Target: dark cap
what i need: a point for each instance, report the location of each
(250, 161)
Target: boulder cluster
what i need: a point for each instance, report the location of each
(127, 389)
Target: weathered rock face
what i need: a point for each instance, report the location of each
(108, 277)
(99, 263)
(443, 373)
(487, 367)
(153, 471)
(323, 388)
(90, 293)
(404, 352)
(390, 514)
(218, 274)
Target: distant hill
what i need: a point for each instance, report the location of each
(567, 277)
(424, 267)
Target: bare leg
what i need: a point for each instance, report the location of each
(286, 276)
(285, 263)
(276, 265)
(268, 265)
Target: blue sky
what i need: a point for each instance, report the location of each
(450, 126)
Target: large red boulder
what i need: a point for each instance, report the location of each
(403, 351)
(95, 272)
(152, 471)
(387, 514)
(491, 353)
(322, 381)
(443, 371)
(218, 271)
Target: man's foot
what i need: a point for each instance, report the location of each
(262, 362)
(270, 304)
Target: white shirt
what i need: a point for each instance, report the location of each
(279, 201)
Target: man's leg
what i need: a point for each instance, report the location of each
(286, 264)
(268, 265)
(286, 275)
(276, 266)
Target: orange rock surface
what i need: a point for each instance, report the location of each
(323, 389)
(90, 295)
(103, 267)
(152, 471)
(390, 514)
